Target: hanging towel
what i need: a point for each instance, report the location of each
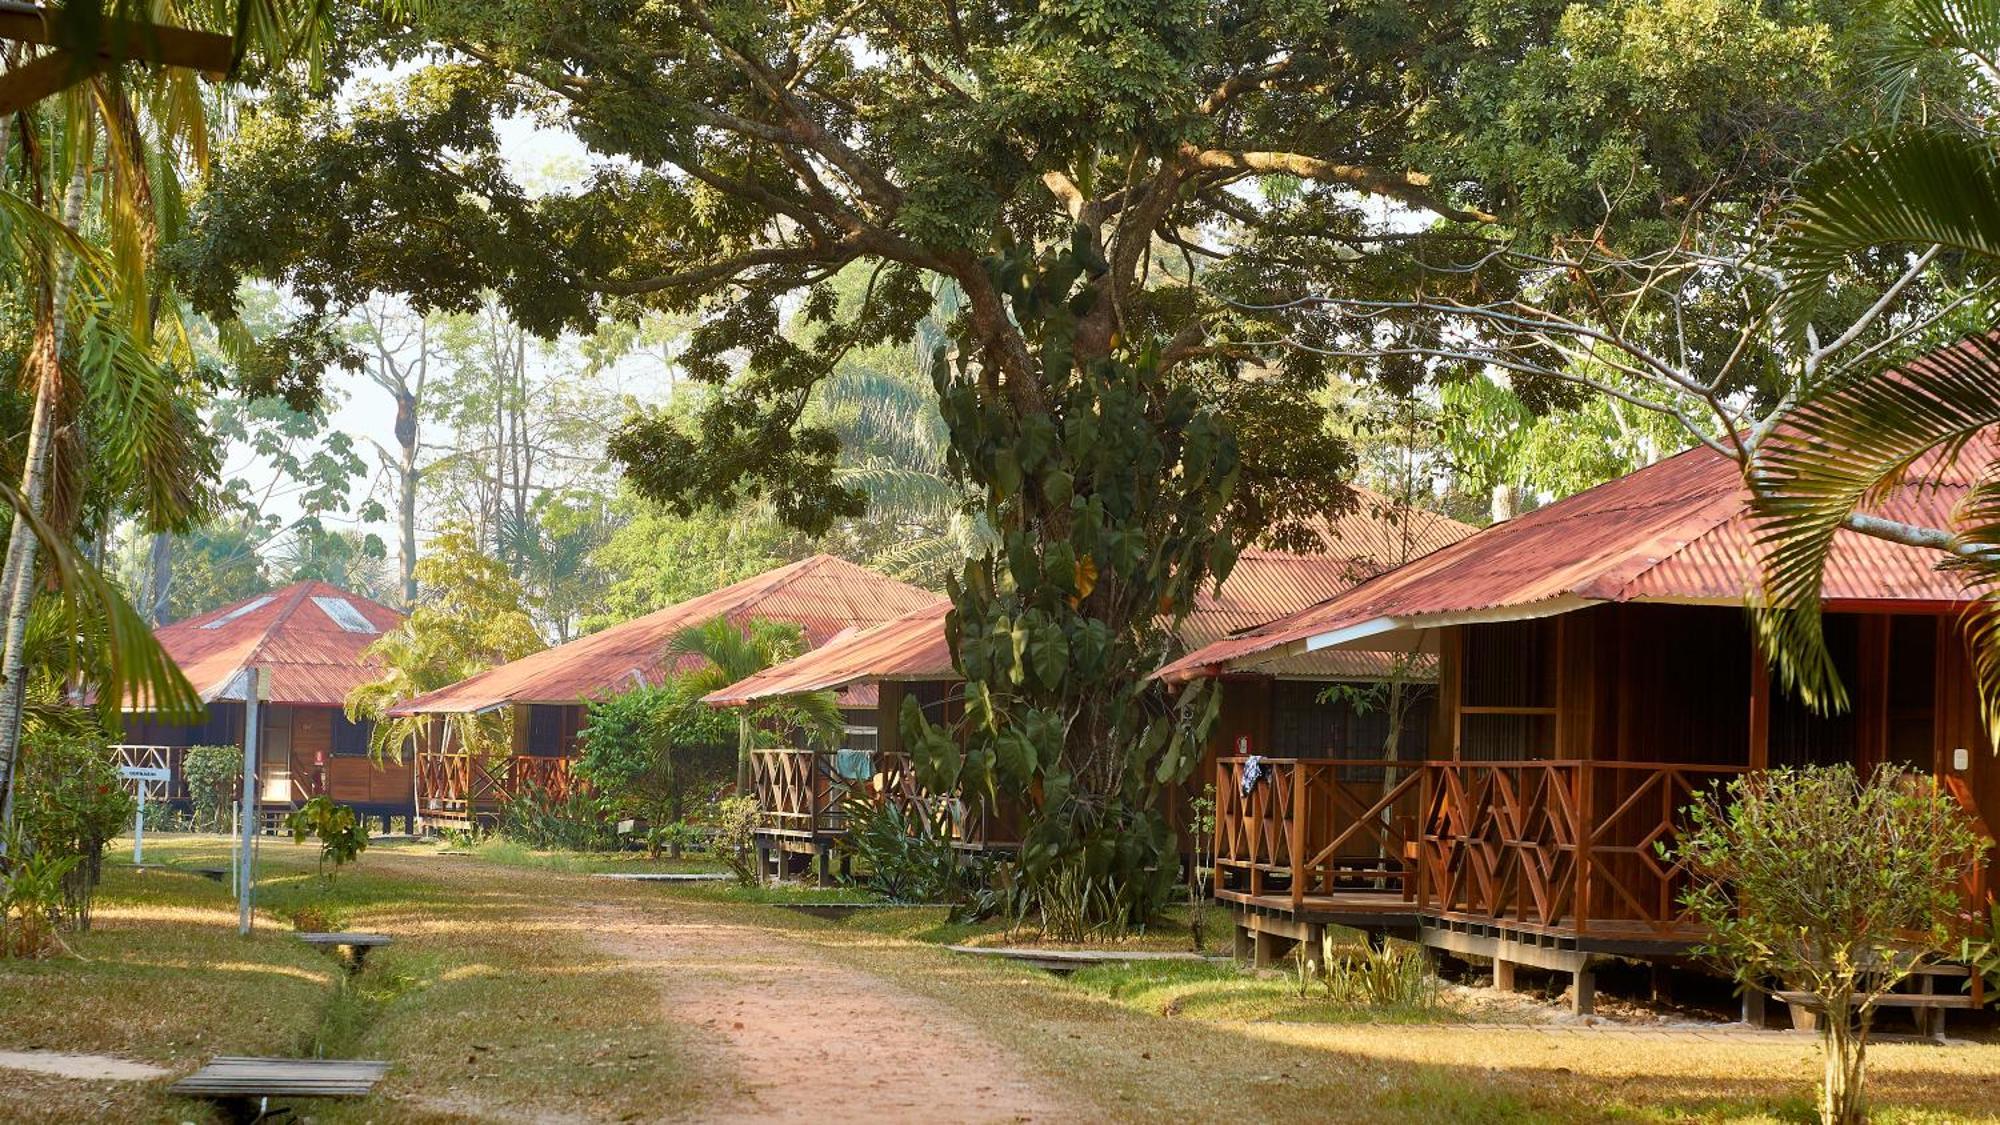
(854, 765)
(1253, 772)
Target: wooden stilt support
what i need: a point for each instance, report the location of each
(1503, 975)
(1271, 949)
(826, 865)
(1753, 1006)
(1245, 943)
(1583, 993)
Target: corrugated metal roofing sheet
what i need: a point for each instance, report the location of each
(823, 595)
(1677, 531)
(1264, 584)
(313, 659)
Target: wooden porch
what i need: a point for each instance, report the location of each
(801, 796)
(460, 790)
(1562, 854)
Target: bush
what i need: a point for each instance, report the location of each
(342, 835)
(1391, 977)
(214, 777)
(905, 850)
(647, 752)
(31, 899)
(70, 804)
(736, 838)
(536, 818)
(1837, 887)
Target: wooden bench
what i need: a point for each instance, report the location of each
(244, 1086)
(357, 945)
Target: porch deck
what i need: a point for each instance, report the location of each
(1555, 854)
(801, 796)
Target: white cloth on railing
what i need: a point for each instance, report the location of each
(1253, 772)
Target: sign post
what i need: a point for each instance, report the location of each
(142, 775)
(256, 683)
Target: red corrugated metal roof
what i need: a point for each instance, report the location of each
(1677, 531)
(823, 595)
(1264, 584)
(294, 632)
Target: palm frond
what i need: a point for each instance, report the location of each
(135, 671)
(1917, 187)
(1838, 453)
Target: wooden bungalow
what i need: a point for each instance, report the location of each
(313, 637)
(548, 693)
(1595, 668)
(1283, 706)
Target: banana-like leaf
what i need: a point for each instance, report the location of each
(1836, 455)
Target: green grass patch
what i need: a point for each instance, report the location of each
(1209, 990)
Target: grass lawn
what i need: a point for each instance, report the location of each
(501, 1001)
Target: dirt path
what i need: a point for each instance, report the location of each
(806, 1040)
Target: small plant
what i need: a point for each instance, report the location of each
(1836, 886)
(1077, 906)
(736, 839)
(675, 839)
(316, 918)
(534, 816)
(1201, 826)
(342, 835)
(31, 899)
(904, 849)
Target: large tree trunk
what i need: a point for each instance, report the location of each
(408, 477)
(17, 578)
(159, 578)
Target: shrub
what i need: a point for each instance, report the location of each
(342, 835)
(537, 818)
(648, 751)
(71, 803)
(31, 898)
(214, 777)
(1835, 886)
(736, 838)
(904, 849)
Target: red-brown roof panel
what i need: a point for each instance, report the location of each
(1680, 531)
(823, 595)
(1263, 585)
(312, 636)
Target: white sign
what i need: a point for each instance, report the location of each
(143, 773)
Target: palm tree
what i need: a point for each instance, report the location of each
(729, 654)
(1932, 184)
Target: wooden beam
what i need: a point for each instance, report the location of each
(118, 40)
(41, 77)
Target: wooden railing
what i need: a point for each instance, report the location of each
(800, 792)
(1321, 825)
(1561, 844)
(458, 785)
(155, 757)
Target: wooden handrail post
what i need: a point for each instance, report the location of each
(1297, 836)
(1586, 807)
(1422, 863)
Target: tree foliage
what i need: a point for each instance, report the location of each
(1834, 885)
(473, 616)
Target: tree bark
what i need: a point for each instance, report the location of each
(159, 578)
(1844, 1047)
(17, 579)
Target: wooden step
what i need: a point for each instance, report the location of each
(235, 1076)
